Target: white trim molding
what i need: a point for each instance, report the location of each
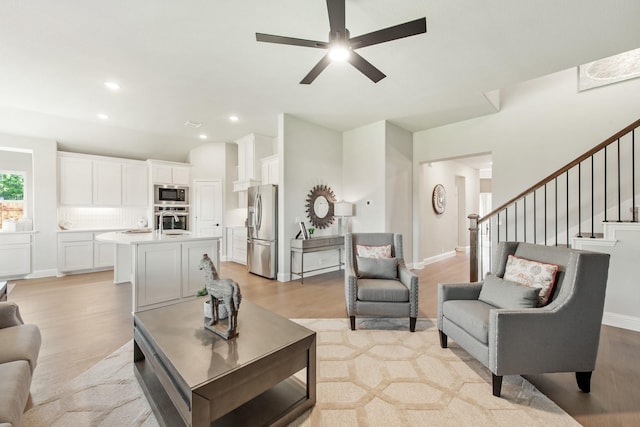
(621, 321)
(433, 259)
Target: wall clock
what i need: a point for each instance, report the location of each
(439, 199)
(319, 205)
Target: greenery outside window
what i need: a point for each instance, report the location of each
(11, 196)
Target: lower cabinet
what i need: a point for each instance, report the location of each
(78, 251)
(15, 255)
(168, 272)
(237, 244)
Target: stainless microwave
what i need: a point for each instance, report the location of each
(170, 195)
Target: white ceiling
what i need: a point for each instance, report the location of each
(198, 60)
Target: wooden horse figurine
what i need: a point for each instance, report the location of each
(221, 291)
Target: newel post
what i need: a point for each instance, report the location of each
(473, 242)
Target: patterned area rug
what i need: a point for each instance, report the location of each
(379, 375)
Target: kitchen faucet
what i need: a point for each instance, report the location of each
(175, 217)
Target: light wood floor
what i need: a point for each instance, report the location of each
(84, 318)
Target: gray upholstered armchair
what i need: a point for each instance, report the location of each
(561, 336)
(379, 287)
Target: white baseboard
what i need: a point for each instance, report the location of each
(435, 258)
(284, 277)
(621, 321)
(464, 249)
(42, 273)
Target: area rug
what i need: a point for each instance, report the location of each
(379, 375)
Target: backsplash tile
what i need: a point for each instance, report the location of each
(94, 217)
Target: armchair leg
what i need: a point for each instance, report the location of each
(352, 319)
(443, 339)
(497, 384)
(412, 324)
(584, 381)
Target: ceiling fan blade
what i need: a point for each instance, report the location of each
(315, 71)
(337, 24)
(270, 38)
(400, 31)
(366, 67)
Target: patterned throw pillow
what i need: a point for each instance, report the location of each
(366, 251)
(533, 274)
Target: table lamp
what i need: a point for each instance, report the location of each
(341, 210)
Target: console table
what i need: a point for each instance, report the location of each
(316, 244)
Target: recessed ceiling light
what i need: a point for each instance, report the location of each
(102, 116)
(234, 118)
(112, 86)
(203, 136)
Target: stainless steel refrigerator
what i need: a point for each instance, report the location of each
(262, 230)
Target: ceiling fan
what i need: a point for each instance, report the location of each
(342, 46)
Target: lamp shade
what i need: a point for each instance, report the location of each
(343, 209)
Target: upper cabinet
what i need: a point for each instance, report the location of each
(107, 183)
(169, 173)
(86, 180)
(76, 180)
(134, 184)
(270, 169)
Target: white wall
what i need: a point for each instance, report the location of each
(543, 125)
(363, 176)
(438, 234)
(399, 188)
(309, 155)
(45, 200)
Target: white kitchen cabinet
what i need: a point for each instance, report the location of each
(103, 254)
(192, 276)
(15, 255)
(75, 181)
(79, 250)
(107, 183)
(134, 185)
(237, 244)
(75, 251)
(158, 271)
(169, 173)
(86, 180)
(270, 170)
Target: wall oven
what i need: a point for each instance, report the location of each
(170, 195)
(173, 218)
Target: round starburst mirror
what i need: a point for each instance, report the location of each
(319, 206)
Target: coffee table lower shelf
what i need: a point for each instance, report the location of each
(280, 405)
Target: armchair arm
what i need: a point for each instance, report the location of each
(9, 315)
(456, 291)
(539, 340)
(350, 289)
(410, 280)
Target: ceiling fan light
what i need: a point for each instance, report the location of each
(339, 52)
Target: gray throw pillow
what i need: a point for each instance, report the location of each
(377, 268)
(505, 294)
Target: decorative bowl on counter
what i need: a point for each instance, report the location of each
(65, 225)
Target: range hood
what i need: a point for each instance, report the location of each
(251, 149)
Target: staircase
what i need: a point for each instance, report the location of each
(590, 203)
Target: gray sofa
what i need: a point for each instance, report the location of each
(562, 336)
(18, 357)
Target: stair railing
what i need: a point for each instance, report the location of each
(598, 186)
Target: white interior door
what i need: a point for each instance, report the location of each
(208, 207)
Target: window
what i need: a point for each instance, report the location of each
(11, 197)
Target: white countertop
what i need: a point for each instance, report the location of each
(84, 230)
(123, 238)
(9, 233)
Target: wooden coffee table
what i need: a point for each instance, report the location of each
(193, 377)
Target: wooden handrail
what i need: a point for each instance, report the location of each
(563, 169)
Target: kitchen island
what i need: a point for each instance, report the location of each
(162, 267)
